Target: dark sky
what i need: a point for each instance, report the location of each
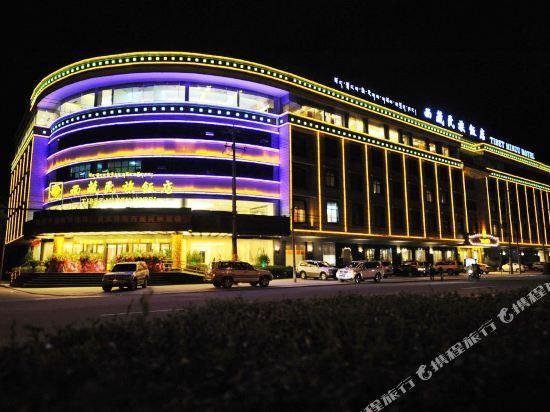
(489, 67)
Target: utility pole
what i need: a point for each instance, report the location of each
(234, 254)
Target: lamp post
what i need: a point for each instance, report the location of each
(293, 245)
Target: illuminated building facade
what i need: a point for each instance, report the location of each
(131, 153)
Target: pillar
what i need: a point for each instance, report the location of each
(176, 250)
(58, 244)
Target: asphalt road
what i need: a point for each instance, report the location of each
(50, 308)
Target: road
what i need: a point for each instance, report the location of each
(50, 308)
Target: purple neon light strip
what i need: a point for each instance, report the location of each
(62, 93)
(142, 148)
(192, 184)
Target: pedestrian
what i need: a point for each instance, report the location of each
(441, 273)
(432, 273)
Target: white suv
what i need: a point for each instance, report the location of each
(315, 269)
(360, 270)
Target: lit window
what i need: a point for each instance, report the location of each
(355, 123)
(393, 135)
(330, 179)
(213, 95)
(406, 139)
(299, 214)
(376, 187)
(433, 148)
(445, 150)
(332, 212)
(429, 196)
(419, 143)
(376, 129)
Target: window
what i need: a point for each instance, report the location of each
(376, 129)
(45, 118)
(255, 102)
(299, 214)
(376, 187)
(429, 196)
(333, 118)
(406, 139)
(332, 212)
(330, 178)
(433, 148)
(300, 178)
(213, 95)
(445, 150)
(357, 215)
(123, 166)
(355, 123)
(80, 171)
(393, 135)
(419, 143)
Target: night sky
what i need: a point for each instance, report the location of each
(490, 68)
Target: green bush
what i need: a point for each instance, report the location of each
(262, 260)
(330, 354)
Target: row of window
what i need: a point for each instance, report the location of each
(173, 93)
(374, 128)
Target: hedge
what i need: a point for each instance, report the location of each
(330, 354)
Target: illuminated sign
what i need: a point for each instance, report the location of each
(120, 174)
(374, 97)
(448, 121)
(55, 191)
(481, 239)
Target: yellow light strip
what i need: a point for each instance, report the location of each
(518, 179)
(488, 206)
(367, 176)
(406, 196)
(384, 235)
(536, 214)
(422, 197)
(243, 66)
(511, 229)
(499, 210)
(387, 191)
(437, 198)
(319, 192)
(543, 218)
(528, 215)
(465, 202)
(344, 194)
(452, 201)
(519, 215)
(290, 194)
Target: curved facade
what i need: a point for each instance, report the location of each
(134, 153)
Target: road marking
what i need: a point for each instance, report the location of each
(138, 312)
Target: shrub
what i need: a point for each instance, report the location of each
(262, 260)
(280, 271)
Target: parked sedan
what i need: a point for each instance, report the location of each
(539, 266)
(515, 267)
(360, 270)
(388, 268)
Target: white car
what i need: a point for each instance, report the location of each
(315, 269)
(515, 267)
(360, 270)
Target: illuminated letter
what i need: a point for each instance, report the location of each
(75, 190)
(167, 187)
(128, 186)
(92, 187)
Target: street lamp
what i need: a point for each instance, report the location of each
(293, 245)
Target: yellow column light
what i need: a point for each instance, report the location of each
(465, 202)
(437, 199)
(489, 206)
(422, 197)
(344, 194)
(406, 196)
(452, 201)
(543, 218)
(319, 193)
(176, 240)
(368, 185)
(510, 228)
(528, 217)
(500, 210)
(58, 244)
(519, 215)
(536, 214)
(290, 194)
(387, 191)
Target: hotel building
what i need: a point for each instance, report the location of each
(133, 153)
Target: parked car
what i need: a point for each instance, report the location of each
(515, 267)
(484, 268)
(226, 273)
(405, 270)
(316, 269)
(416, 268)
(388, 268)
(539, 266)
(126, 274)
(451, 267)
(361, 270)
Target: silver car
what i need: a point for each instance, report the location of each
(316, 269)
(126, 274)
(360, 270)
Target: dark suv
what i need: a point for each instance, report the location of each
(126, 274)
(225, 273)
